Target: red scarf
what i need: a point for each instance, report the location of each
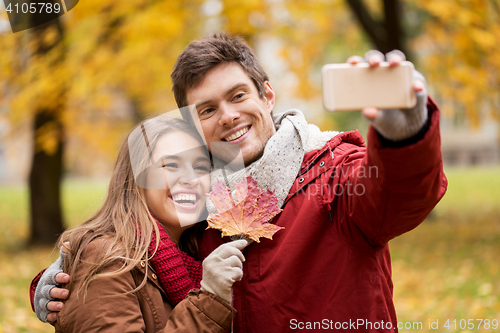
(177, 272)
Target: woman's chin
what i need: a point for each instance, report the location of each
(189, 218)
(188, 221)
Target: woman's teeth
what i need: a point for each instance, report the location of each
(237, 134)
(184, 199)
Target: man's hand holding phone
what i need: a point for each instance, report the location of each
(395, 124)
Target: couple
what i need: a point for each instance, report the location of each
(331, 264)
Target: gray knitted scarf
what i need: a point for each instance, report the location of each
(282, 158)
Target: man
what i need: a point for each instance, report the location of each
(330, 267)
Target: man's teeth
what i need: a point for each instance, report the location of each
(185, 199)
(237, 134)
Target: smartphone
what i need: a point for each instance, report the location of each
(349, 87)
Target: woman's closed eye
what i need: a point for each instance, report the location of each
(171, 165)
(202, 168)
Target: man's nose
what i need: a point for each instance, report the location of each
(228, 114)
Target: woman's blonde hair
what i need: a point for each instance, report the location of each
(124, 222)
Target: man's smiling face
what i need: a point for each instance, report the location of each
(231, 110)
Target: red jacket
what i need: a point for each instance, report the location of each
(330, 267)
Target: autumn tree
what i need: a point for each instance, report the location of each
(68, 80)
(454, 43)
(460, 55)
(32, 62)
(48, 143)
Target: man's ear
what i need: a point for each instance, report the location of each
(269, 96)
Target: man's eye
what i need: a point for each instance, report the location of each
(207, 112)
(238, 96)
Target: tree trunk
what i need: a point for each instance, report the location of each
(387, 35)
(45, 185)
(47, 164)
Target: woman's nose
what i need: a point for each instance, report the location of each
(189, 177)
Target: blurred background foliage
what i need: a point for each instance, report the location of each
(81, 81)
(71, 90)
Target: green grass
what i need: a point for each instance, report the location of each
(447, 268)
(473, 191)
(80, 198)
(20, 264)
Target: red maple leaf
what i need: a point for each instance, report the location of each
(247, 214)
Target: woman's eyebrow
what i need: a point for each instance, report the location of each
(167, 157)
(176, 157)
(203, 158)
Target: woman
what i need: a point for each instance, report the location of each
(133, 263)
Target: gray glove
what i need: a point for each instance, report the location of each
(46, 283)
(222, 268)
(401, 124)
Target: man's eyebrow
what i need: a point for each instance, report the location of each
(230, 90)
(236, 86)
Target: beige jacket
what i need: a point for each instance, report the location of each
(108, 309)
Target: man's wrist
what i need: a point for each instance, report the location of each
(387, 143)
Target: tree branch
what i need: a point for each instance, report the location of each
(392, 15)
(375, 30)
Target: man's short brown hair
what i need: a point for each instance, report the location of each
(201, 56)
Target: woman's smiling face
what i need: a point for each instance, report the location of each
(178, 181)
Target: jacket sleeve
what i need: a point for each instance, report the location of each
(107, 306)
(200, 311)
(33, 285)
(392, 190)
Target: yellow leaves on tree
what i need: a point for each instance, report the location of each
(122, 53)
(460, 51)
(247, 214)
(246, 17)
(307, 29)
(47, 138)
(116, 69)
